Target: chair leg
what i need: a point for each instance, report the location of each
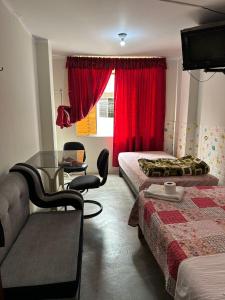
(89, 216)
(140, 234)
(78, 296)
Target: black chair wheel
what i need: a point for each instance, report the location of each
(96, 213)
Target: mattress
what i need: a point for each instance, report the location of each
(201, 278)
(128, 161)
(176, 231)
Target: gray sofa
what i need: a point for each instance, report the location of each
(42, 252)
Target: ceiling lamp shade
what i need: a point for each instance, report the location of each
(122, 37)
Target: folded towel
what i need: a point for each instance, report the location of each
(158, 192)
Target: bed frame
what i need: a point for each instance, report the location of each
(135, 194)
(133, 189)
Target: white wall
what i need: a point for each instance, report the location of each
(19, 128)
(186, 121)
(171, 88)
(200, 121)
(211, 116)
(94, 145)
(212, 99)
(46, 94)
(172, 95)
(181, 113)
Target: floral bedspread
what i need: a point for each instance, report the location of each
(176, 231)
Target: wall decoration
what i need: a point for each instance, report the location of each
(212, 150)
(192, 139)
(187, 141)
(208, 143)
(169, 137)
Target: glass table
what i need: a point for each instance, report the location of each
(52, 163)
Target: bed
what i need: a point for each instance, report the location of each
(129, 169)
(201, 278)
(177, 231)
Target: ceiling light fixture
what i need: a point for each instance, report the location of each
(122, 37)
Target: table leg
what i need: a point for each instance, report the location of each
(52, 180)
(61, 178)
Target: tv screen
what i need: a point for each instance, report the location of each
(203, 46)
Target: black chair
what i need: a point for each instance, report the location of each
(82, 183)
(79, 168)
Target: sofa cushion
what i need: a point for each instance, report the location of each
(14, 208)
(45, 253)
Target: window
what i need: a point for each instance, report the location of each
(106, 107)
(100, 119)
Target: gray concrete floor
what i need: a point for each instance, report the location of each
(116, 265)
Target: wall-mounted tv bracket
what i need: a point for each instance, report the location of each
(217, 70)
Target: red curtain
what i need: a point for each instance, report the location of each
(139, 111)
(139, 98)
(87, 79)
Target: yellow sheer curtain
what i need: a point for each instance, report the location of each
(88, 125)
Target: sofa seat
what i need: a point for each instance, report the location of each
(44, 256)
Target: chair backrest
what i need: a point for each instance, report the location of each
(34, 181)
(75, 146)
(102, 165)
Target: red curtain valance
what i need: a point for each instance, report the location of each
(114, 63)
(139, 63)
(90, 63)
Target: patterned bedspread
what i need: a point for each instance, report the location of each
(176, 231)
(187, 165)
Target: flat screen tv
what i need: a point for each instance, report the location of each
(203, 47)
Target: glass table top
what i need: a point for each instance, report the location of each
(56, 159)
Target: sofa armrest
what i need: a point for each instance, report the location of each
(62, 198)
(37, 194)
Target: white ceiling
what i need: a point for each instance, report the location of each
(90, 27)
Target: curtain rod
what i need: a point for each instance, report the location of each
(109, 56)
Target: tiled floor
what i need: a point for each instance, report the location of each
(116, 265)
